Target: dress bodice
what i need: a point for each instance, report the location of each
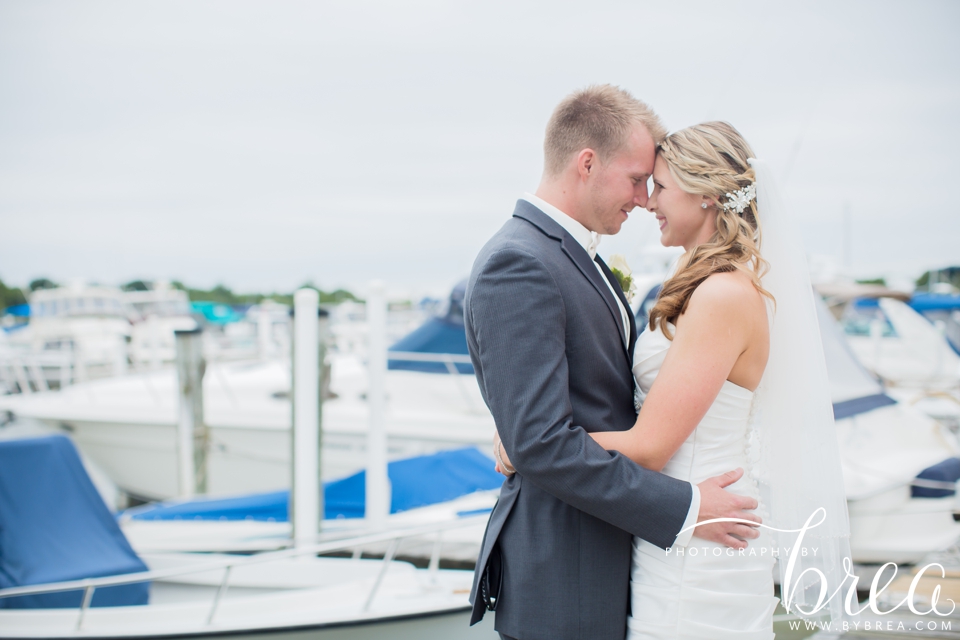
(702, 591)
(718, 443)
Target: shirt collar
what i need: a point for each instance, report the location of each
(587, 239)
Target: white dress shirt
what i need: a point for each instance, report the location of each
(589, 241)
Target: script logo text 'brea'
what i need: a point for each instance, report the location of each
(790, 582)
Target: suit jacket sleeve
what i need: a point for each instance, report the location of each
(517, 330)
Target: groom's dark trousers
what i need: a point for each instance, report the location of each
(553, 361)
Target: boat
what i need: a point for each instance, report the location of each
(127, 424)
(943, 311)
(909, 353)
(899, 345)
(900, 466)
(157, 311)
(75, 333)
(901, 502)
(84, 580)
(435, 488)
(85, 332)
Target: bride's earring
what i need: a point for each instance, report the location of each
(703, 205)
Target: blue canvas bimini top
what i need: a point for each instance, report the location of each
(55, 527)
(414, 482)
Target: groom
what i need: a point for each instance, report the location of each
(551, 338)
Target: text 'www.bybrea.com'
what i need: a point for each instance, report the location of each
(846, 626)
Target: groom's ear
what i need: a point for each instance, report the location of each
(586, 162)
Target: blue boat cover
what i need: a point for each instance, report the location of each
(642, 316)
(934, 301)
(415, 482)
(436, 335)
(444, 334)
(55, 527)
(19, 311)
(947, 471)
(215, 312)
(850, 408)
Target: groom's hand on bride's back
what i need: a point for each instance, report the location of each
(716, 502)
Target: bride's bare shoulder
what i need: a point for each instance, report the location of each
(729, 294)
(728, 288)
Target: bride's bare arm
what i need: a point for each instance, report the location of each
(716, 329)
(710, 337)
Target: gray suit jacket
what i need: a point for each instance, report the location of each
(553, 362)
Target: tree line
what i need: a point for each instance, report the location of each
(12, 296)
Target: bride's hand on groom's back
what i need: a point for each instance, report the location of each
(716, 502)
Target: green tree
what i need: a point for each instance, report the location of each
(10, 296)
(949, 274)
(42, 283)
(337, 296)
(135, 285)
(224, 295)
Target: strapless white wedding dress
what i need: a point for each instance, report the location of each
(705, 590)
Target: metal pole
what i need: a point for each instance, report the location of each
(65, 364)
(378, 483)
(36, 372)
(221, 591)
(154, 333)
(192, 435)
(120, 357)
(323, 329)
(87, 599)
(264, 331)
(384, 567)
(20, 372)
(79, 365)
(304, 495)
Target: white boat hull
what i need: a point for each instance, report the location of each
(449, 623)
(128, 425)
(142, 458)
(883, 451)
(319, 598)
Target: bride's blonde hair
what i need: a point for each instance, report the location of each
(710, 159)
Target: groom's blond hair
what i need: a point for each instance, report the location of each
(599, 117)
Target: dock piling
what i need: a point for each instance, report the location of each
(192, 434)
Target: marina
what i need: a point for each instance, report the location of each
(896, 456)
(432, 508)
(173, 595)
(244, 247)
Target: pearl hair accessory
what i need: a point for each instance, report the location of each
(740, 199)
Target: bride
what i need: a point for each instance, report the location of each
(730, 373)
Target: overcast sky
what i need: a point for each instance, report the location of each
(263, 144)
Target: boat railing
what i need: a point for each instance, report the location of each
(353, 544)
(449, 359)
(30, 372)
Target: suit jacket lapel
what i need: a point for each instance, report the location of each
(579, 256)
(626, 305)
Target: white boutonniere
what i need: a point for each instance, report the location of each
(620, 269)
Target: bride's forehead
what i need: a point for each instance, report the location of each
(660, 168)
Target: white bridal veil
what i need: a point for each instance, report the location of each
(795, 458)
